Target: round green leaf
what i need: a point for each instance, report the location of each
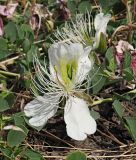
(3, 105)
(84, 6)
(15, 138)
(72, 6)
(32, 155)
(95, 114)
(118, 108)
(26, 45)
(3, 44)
(76, 156)
(11, 31)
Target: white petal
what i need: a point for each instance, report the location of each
(100, 22)
(38, 121)
(78, 120)
(56, 52)
(41, 109)
(65, 51)
(53, 59)
(62, 50)
(84, 65)
(41, 119)
(75, 50)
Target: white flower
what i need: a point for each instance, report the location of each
(68, 68)
(84, 30)
(100, 24)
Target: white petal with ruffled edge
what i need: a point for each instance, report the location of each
(79, 122)
(85, 64)
(100, 22)
(41, 109)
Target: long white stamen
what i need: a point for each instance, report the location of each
(81, 30)
(88, 79)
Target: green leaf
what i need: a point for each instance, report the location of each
(3, 44)
(26, 28)
(6, 152)
(11, 31)
(107, 4)
(21, 33)
(127, 60)
(95, 114)
(84, 6)
(27, 32)
(76, 156)
(19, 119)
(3, 105)
(110, 59)
(4, 53)
(72, 6)
(15, 138)
(26, 45)
(3, 48)
(131, 122)
(128, 74)
(31, 53)
(134, 39)
(98, 81)
(118, 108)
(10, 98)
(32, 155)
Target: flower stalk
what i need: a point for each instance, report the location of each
(10, 73)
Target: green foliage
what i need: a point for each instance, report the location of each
(97, 79)
(110, 59)
(128, 75)
(11, 31)
(21, 152)
(31, 53)
(14, 138)
(84, 6)
(118, 108)
(3, 104)
(95, 114)
(32, 155)
(129, 122)
(79, 6)
(131, 125)
(19, 119)
(72, 6)
(114, 6)
(76, 156)
(7, 152)
(3, 44)
(3, 48)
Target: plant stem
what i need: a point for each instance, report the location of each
(88, 99)
(1, 118)
(9, 73)
(101, 101)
